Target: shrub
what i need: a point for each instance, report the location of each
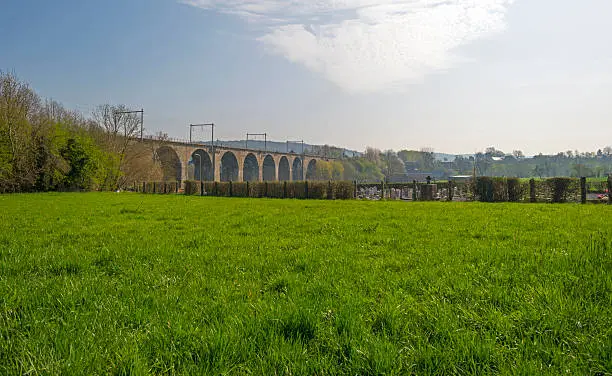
(515, 193)
(240, 190)
(489, 189)
(562, 189)
(171, 187)
(224, 189)
(317, 190)
(297, 189)
(192, 187)
(343, 190)
(275, 190)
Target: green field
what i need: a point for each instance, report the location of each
(105, 283)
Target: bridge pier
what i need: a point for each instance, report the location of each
(178, 162)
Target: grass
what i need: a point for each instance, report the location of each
(130, 284)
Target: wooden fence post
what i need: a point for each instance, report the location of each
(284, 189)
(532, 191)
(306, 189)
(382, 189)
(231, 194)
(266, 189)
(450, 190)
(609, 189)
(414, 190)
(201, 188)
(583, 190)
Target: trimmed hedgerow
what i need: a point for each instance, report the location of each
(343, 190)
(563, 189)
(192, 187)
(489, 189)
(514, 187)
(317, 190)
(298, 189)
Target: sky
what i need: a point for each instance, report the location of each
(453, 75)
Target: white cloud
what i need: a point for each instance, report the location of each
(370, 45)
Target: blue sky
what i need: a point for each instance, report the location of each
(455, 75)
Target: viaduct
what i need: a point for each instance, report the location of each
(192, 161)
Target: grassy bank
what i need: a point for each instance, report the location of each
(132, 284)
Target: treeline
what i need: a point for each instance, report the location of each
(45, 147)
(570, 163)
(492, 162)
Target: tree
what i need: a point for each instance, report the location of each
(372, 155)
(392, 164)
(323, 171)
(428, 159)
(492, 152)
(18, 106)
(518, 154)
(120, 133)
(337, 170)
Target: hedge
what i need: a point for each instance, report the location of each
(296, 190)
(485, 189)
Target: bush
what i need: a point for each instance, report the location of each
(192, 187)
(297, 189)
(515, 192)
(240, 189)
(489, 189)
(210, 188)
(317, 190)
(343, 190)
(562, 189)
(223, 189)
(275, 190)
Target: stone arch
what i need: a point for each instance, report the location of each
(172, 168)
(311, 169)
(229, 167)
(297, 170)
(269, 168)
(250, 171)
(284, 172)
(202, 166)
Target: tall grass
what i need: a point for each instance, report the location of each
(137, 284)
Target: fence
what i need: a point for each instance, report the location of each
(488, 189)
(484, 189)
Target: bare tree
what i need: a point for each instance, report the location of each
(120, 131)
(372, 155)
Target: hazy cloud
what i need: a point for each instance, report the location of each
(369, 45)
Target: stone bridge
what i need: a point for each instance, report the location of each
(193, 161)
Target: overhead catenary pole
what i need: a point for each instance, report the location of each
(141, 112)
(212, 141)
(265, 136)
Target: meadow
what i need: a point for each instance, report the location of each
(129, 284)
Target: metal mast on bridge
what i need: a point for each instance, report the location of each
(212, 144)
